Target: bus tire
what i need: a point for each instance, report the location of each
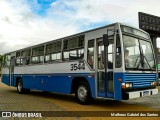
(20, 88)
(83, 94)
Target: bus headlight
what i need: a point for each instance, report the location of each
(127, 85)
(153, 83)
(130, 85)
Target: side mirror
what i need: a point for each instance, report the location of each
(105, 40)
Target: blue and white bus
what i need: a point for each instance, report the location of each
(116, 61)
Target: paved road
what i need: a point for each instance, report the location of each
(149, 102)
(39, 101)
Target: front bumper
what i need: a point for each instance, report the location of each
(141, 93)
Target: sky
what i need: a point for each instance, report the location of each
(25, 23)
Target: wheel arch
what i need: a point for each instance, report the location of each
(17, 79)
(76, 81)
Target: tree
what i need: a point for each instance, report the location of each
(1, 60)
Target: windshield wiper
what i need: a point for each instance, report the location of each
(147, 62)
(137, 61)
(142, 60)
(143, 57)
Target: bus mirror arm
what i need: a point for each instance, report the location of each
(105, 40)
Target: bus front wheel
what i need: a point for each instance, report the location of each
(83, 95)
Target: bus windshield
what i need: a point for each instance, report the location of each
(138, 54)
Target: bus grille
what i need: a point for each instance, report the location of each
(140, 79)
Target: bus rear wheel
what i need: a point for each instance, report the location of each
(20, 88)
(83, 95)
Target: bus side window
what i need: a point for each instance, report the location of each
(18, 58)
(56, 51)
(26, 57)
(6, 60)
(53, 51)
(24, 61)
(38, 54)
(118, 58)
(100, 55)
(56, 56)
(73, 48)
(110, 52)
(90, 53)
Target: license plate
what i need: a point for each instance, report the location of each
(146, 93)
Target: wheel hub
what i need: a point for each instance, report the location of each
(19, 86)
(82, 93)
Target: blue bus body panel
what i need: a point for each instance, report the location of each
(5, 79)
(62, 82)
(117, 86)
(140, 80)
(54, 83)
(47, 83)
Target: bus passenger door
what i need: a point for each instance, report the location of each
(11, 71)
(105, 86)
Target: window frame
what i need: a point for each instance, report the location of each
(50, 53)
(91, 67)
(79, 48)
(39, 52)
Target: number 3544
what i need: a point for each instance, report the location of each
(77, 66)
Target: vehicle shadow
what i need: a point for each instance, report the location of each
(71, 98)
